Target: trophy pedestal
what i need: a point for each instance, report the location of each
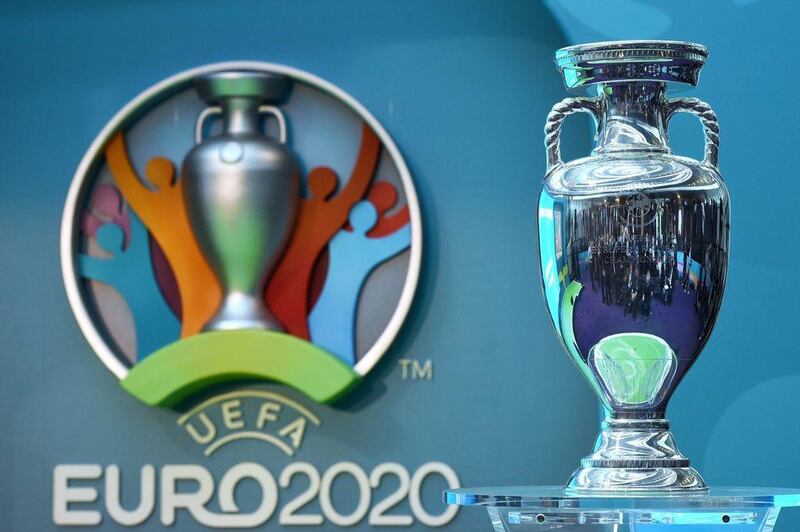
(635, 456)
(552, 508)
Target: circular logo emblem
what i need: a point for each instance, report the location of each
(241, 220)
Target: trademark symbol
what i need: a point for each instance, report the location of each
(415, 369)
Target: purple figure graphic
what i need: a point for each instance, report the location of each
(353, 255)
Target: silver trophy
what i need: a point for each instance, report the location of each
(242, 190)
(634, 253)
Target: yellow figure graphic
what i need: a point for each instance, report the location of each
(164, 213)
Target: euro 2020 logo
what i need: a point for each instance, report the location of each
(241, 220)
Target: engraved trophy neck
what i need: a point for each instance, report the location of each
(630, 80)
(631, 118)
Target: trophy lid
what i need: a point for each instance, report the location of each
(266, 86)
(626, 61)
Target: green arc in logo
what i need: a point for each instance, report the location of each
(181, 368)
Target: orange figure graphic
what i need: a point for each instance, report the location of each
(320, 216)
(164, 213)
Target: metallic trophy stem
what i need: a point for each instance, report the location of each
(637, 455)
(630, 117)
(635, 450)
(242, 191)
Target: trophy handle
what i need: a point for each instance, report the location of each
(201, 121)
(707, 117)
(217, 111)
(552, 128)
(279, 116)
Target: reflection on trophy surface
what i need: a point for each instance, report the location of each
(634, 253)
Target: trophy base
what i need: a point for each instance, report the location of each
(636, 455)
(242, 311)
(610, 480)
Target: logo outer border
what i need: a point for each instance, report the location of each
(76, 188)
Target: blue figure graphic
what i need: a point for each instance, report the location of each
(353, 255)
(130, 272)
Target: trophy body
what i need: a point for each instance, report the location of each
(634, 254)
(242, 191)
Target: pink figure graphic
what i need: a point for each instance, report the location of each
(106, 206)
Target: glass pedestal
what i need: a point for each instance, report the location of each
(540, 508)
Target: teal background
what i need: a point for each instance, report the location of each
(464, 88)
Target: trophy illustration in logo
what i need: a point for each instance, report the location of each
(242, 190)
(634, 253)
(202, 243)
